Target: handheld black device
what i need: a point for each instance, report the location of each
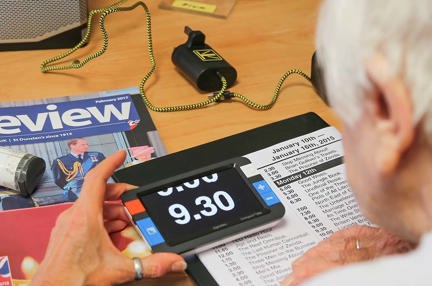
(201, 64)
(197, 210)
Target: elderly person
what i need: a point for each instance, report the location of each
(376, 59)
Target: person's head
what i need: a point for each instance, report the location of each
(377, 65)
(78, 145)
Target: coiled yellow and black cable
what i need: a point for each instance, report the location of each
(49, 66)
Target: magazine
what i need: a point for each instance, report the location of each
(60, 130)
(25, 238)
(100, 123)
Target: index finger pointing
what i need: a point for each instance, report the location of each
(94, 187)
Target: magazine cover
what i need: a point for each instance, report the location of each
(25, 239)
(59, 130)
(72, 135)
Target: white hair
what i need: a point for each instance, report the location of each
(350, 32)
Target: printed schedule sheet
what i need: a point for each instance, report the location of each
(307, 173)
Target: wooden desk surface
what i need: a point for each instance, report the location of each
(261, 39)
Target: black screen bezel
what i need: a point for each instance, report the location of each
(193, 230)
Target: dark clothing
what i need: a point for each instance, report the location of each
(69, 171)
(11, 202)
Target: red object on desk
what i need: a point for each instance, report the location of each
(25, 234)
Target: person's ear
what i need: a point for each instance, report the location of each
(390, 106)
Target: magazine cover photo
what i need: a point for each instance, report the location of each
(72, 135)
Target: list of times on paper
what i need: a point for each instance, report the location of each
(308, 175)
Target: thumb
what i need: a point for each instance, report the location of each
(288, 281)
(123, 269)
(159, 264)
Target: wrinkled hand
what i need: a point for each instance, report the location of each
(353, 244)
(80, 251)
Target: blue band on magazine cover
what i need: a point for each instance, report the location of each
(64, 120)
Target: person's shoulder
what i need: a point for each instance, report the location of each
(64, 157)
